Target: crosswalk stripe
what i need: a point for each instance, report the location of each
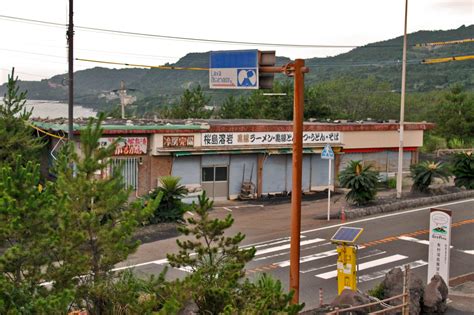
(415, 240)
(366, 265)
(317, 256)
(286, 246)
(371, 253)
(382, 273)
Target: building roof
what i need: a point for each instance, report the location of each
(145, 126)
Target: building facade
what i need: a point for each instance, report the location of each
(248, 158)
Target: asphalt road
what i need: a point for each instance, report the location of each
(388, 240)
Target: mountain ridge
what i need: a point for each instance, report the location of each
(380, 59)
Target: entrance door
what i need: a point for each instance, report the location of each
(214, 181)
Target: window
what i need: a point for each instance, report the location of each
(208, 174)
(214, 173)
(221, 174)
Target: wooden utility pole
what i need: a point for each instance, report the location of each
(70, 42)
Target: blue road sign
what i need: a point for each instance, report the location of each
(327, 153)
(233, 69)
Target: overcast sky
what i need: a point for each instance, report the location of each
(38, 51)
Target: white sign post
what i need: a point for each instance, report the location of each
(328, 154)
(440, 242)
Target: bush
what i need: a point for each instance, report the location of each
(424, 172)
(433, 143)
(456, 143)
(377, 291)
(361, 180)
(392, 183)
(171, 208)
(463, 170)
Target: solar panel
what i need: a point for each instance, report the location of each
(346, 234)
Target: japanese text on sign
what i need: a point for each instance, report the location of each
(439, 246)
(127, 145)
(266, 138)
(178, 141)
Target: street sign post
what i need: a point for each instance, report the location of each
(328, 154)
(241, 70)
(440, 243)
(233, 69)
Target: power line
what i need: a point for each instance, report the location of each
(143, 66)
(192, 39)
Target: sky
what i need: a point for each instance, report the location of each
(38, 51)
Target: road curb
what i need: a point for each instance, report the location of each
(405, 204)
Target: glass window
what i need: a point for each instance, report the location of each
(221, 173)
(208, 174)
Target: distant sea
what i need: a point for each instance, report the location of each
(54, 109)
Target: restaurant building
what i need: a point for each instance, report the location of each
(245, 158)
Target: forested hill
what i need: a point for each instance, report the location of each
(381, 59)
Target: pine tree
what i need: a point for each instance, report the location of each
(16, 137)
(27, 230)
(216, 260)
(97, 222)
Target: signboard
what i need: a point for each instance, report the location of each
(327, 153)
(127, 145)
(440, 242)
(234, 69)
(178, 141)
(266, 138)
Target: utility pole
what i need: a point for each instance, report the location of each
(296, 70)
(122, 92)
(70, 42)
(402, 107)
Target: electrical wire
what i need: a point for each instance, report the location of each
(45, 132)
(143, 66)
(179, 38)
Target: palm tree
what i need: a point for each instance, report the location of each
(361, 180)
(171, 208)
(425, 172)
(463, 169)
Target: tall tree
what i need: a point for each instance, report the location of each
(455, 115)
(16, 137)
(192, 105)
(27, 234)
(97, 222)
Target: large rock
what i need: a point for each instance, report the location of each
(393, 285)
(349, 298)
(435, 296)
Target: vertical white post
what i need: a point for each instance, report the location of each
(329, 190)
(402, 108)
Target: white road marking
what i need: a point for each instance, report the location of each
(415, 240)
(286, 252)
(304, 259)
(372, 253)
(382, 273)
(388, 215)
(286, 246)
(156, 262)
(270, 242)
(466, 251)
(367, 265)
(225, 208)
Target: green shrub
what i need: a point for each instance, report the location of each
(361, 180)
(377, 291)
(424, 172)
(392, 183)
(463, 170)
(431, 143)
(456, 143)
(171, 208)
